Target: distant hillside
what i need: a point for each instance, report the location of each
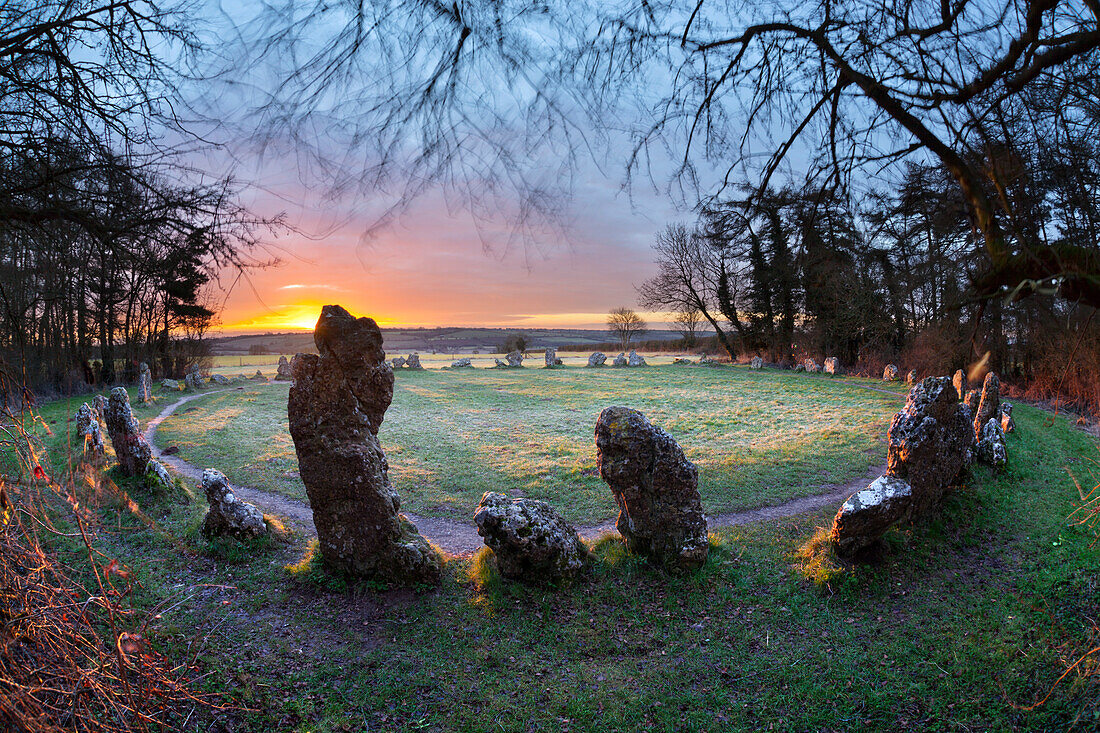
(428, 340)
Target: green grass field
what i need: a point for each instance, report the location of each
(758, 438)
(964, 621)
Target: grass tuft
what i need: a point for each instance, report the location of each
(819, 563)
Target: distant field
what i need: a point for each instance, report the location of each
(757, 437)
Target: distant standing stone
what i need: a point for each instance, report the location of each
(531, 542)
(99, 406)
(463, 362)
(413, 362)
(258, 377)
(515, 359)
(228, 515)
(911, 377)
(992, 448)
(131, 450)
(800, 367)
(283, 371)
(550, 358)
(756, 363)
(1008, 425)
(620, 360)
(90, 436)
(959, 380)
(832, 366)
(398, 362)
(990, 404)
(219, 379)
(145, 384)
(635, 359)
(597, 359)
(500, 364)
(812, 367)
(890, 373)
(656, 489)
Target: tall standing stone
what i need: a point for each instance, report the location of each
(756, 363)
(413, 362)
(550, 358)
(656, 489)
(989, 406)
(145, 384)
(832, 366)
(131, 450)
(959, 380)
(89, 435)
(890, 373)
(336, 407)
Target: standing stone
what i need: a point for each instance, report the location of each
(500, 364)
(890, 373)
(972, 399)
(463, 362)
(219, 379)
(990, 404)
(93, 450)
(635, 359)
(911, 377)
(756, 363)
(170, 384)
(145, 384)
(99, 406)
(1008, 425)
(335, 409)
(550, 358)
(812, 367)
(832, 366)
(530, 540)
(991, 444)
(959, 380)
(596, 359)
(413, 362)
(515, 359)
(193, 378)
(800, 367)
(283, 370)
(398, 362)
(157, 476)
(228, 515)
(131, 450)
(258, 377)
(620, 360)
(656, 488)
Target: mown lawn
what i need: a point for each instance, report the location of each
(758, 438)
(964, 620)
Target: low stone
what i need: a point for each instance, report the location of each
(705, 360)
(992, 448)
(620, 360)
(515, 359)
(890, 373)
(93, 449)
(597, 359)
(170, 384)
(157, 477)
(283, 371)
(989, 406)
(463, 363)
(131, 450)
(500, 364)
(531, 542)
(867, 514)
(756, 363)
(228, 515)
(635, 359)
(800, 367)
(413, 361)
(656, 489)
(258, 377)
(194, 379)
(681, 361)
(145, 384)
(1008, 425)
(959, 380)
(811, 366)
(99, 406)
(972, 399)
(398, 362)
(220, 379)
(833, 367)
(911, 377)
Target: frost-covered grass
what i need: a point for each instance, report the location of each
(758, 438)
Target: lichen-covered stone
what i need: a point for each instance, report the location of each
(220, 379)
(597, 359)
(989, 406)
(258, 377)
(800, 367)
(413, 361)
(193, 379)
(681, 361)
(620, 360)
(1008, 425)
(911, 378)
(832, 366)
(868, 513)
(515, 359)
(756, 363)
(131, 450)
(530, 540)
(170, 384)
(228, 515)
(635, 359)
(93, 449)
(464, 362)
(972, 399)
(157, 476)
(959, 380)
(398, 362)
(500, 364)
(992, 448)
(99, 406)
(282, 372)
(656, 489)
(145, 384)
(811, 366)
(705, 360)
(336, 407)
(550, 358)
(890, 373)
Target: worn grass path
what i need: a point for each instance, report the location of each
(461, 538)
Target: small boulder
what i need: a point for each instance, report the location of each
(867, 514)
(1008, 425)
(756, 363)
(131, 450)
(890, 373)
(515, 359)
(620, 360)
(656, 489)
(228, 515)
(220, 379)
(531, 542)
(992, 448)
(170, 384)
(635, 359)
(500, 364)
(283, 371)
(989, 406)
(833, 367)
(398, 362)
(194, 379)
(705, 360)
(463, 363)
(911, 377)
(413, 361)
(811, 366)
(596, 359)
(157, 477)
(800, 367)
(93, 450)
(258, 377)
(681, 361)
(145, 384)
(959, 380)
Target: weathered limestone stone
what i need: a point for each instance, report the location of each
(283, 370)
(890, 373)
(193, 378)
(500, 364)
(597, 359)
(336, 407)
(972, 399)
(170, 384)
(959, 380)
(228, 515)
(131, 450)
(681, 361)
(258, 377)
(413, 362)
(219, 379)
(157, 476)
(911, 377)
(706, 360)
(550, 358)
(867, 514)
(832, 366)
(990, 404)
(463, 362)
(89, 435)
(145, 384)
(635, 359)
(620, 360)
(800, 367)
(99, 406)
(991, 444)
(756, 363)
(530, 540)
(398, 362)
(515, 359)
(811, 366)
(656, 488)
(1008, 425)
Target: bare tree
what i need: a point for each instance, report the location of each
(687, 322)
(625, 325)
